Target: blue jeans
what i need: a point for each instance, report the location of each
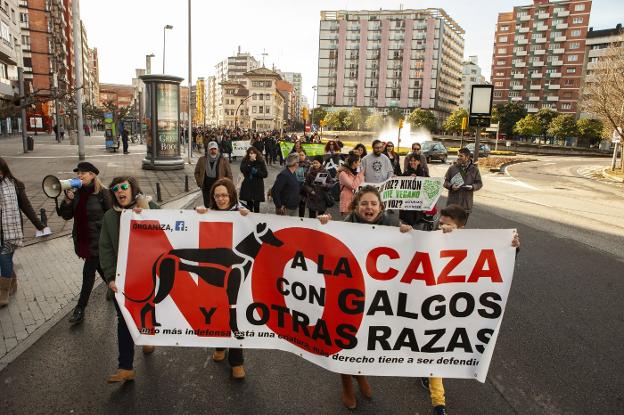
(125, 344)
(6, 265)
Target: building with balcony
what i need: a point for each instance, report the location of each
(471, 75)
(387, 59)
(294, 78)
(231, 69)
(539, 55)
(266, 105)
(10, 59)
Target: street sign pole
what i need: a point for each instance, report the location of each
(615, 150)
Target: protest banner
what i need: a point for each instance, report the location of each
(239, 148)
(311, 149)
(352, 298)
(409, 192)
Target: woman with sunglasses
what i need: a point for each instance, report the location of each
(125, 194)
(223, 198)
(86, 206)
(367, 209)
(394, 158)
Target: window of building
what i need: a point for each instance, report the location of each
(575, 33)
(500, 73)
(498, 83)
(566, 106)
(502, 51)
(498, 94)
(26, 41)
(254, 109)
(569, 82)
(574, 45)
(514, 94)
(267, 110)
(572, 58)
(24, 17)
(577, 20)
(571, 70)
(500, 63)
(260, 109)
(502, 39)
(4, 74)
(579, 7)
(504, 28)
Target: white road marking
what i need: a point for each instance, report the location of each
(508, 179)
(548, 164)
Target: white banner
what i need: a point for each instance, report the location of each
(352, 298)
(409, 193)
(239, 148)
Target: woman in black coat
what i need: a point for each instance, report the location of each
(317, 184)
(254, 169)
(86, 206)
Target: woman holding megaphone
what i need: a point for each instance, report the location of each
(86, 205)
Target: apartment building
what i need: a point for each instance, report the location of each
(231, 69)
(390, 58)
(294, 78)
(539, 55)
(266, 105)
(10, 59)
(471, 75)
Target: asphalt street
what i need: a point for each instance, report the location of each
(559, 350)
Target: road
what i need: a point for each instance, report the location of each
(559, 351)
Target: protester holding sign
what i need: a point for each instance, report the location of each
(366, 208)
(254, 169)
(350, 179)
(414, 169)
(223, 198)
(462, 179)
(125, 194)
(316, 186)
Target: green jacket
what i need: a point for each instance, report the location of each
(109, 242)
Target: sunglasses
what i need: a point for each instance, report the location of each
(124, 186)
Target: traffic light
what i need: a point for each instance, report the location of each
(464, 123)
(304, 113)
(400, 123)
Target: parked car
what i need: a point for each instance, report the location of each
(484, 149)
(434, 150)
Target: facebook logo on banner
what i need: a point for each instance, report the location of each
(179, 225)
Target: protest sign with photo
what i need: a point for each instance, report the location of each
(239, 148)
(409, 192)
(352, 298)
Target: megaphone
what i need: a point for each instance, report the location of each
(53, 186)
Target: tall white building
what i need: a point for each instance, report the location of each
(390, 58)
(232, 70)
(10, 59)
(471, 75)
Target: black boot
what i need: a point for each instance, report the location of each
(77, 315)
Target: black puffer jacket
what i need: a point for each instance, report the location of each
(97, 205)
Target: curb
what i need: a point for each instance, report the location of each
(611, 177)
(503, 168)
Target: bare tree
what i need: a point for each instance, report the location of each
(603, 93)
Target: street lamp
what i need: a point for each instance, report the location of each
(236, 112)
(148, 63)
(165, 43)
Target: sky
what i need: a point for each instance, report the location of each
(287, 30)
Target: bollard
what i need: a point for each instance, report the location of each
(186, 187)
(44, 218)
(158, 195)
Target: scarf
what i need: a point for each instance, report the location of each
(83, 237)
(211, 166)
(11, 223)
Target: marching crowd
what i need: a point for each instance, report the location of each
(312, 183)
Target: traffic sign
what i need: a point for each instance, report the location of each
(617, 135)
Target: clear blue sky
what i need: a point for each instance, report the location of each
(125, 31)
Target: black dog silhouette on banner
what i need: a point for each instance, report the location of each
(237, 262)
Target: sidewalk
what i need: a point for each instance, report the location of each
(59, 159)
(49, 273)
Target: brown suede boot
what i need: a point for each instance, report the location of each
(148, 349)
(365, 388)
(122, 375)
(5, 285)
(13, 288)
(348, 394)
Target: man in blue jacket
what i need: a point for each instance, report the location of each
(285, 191)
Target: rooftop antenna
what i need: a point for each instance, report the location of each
(263, 55)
